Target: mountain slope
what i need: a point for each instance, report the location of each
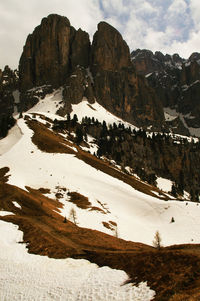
(98, 183)
(43, 163)
(62, 165)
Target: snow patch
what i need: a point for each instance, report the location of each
(17, 205)
(169, 117)
(4, 213)
(49, 105)
(95, 110)
(164, 184)
(28, 277)
(193, 131)
(14, 135)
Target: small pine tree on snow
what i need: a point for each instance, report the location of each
(74, 120)
(174, 190)
(172, 220)
(192, 195)
(157, 241)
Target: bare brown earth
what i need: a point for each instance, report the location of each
(3, 174)
(173, 272)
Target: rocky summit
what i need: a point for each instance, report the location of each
(56, 54)
(176, 81)
(154, 91)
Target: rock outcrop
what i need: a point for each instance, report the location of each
(109, 51)
(8, 84)
(51, 52)
(177, 83)
(116, 85)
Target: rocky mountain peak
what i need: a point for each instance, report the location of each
(47, 55)
(145, 61)
(109, 51)
(195, 56)
(135, 87)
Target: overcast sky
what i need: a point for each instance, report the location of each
(170, 26)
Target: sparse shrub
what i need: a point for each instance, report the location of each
(157, 241)
(116, 232)
(73, 216)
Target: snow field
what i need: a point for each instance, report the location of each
(137, 215)
(95, 110)
(31, 277)
(164, 184)
(27, 277)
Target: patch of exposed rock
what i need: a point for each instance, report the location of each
(8, 84)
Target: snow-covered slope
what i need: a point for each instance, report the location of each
(95, 110)
(138, 216)
(31, 277)
(115, 208)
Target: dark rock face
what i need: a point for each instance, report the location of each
(109, 51)
(176, 82)
(47, 56)
(77, 86)
(145, 61)
(8, 83)
(80, 50)
(116, 85)
(31, 97)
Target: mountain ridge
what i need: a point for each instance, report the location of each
(56, 54)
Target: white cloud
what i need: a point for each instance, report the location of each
(117, 7)
(195, 12)
(177, 7)
(146, 8)
(185, 49)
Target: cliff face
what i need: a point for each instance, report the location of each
(116, 85)
(51, 52)
(109, 51)
(177, 83)
(8, 84)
